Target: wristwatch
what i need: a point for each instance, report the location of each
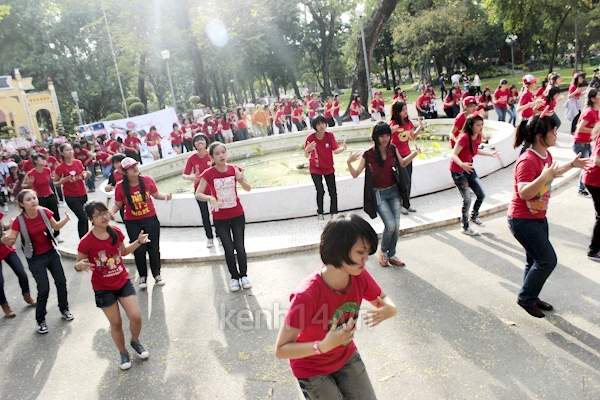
(316, 347)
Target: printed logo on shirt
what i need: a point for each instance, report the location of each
(140, 206)
(403, 135)
(541, 199)
(225, 188)
(108, 265)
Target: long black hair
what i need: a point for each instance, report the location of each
(471, 119)
(396, 110)
(591, 96)
(551, 93)
(90, 207)
(528, 129)
(381, 128)
(127, 189)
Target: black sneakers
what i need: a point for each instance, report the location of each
(139, 349)
(534, 310)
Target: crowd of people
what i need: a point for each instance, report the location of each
(322, 354)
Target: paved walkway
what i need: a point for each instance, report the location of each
(187, 245)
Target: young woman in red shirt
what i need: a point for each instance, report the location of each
(591, 177)
(187, 132)
(328, 112)
(403, 130)
(500, 100)
(101, 251)
(464, 174)
(225, 127)
(512, 100)
(242, 125)
(87, 159)
(450, 102)
(381, 158)
(176, 139)
(585, 134)
(228, 214)
(132, 145)
(527, 101)
(335, 110)
(70, 173)
(39, 179)
(576, 90)
(534, 172)
(135, 193)
(153, 142)
(319, 148)
(195, 165)
(319, 328)
(42, 257)
(356, 109)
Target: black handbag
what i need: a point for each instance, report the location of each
(370, 202)
(402, 179)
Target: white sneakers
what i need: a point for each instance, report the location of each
(234, 284)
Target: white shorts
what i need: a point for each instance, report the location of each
(227, 133)
(153, 149)
(355, 118)
(376, 116)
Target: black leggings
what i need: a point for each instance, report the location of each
(51, 204)
(76, 205)
(151, 226)
(331, 188)
(205, 213)
(226, 228)
(574, 123)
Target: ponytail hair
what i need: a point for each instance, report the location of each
(591, 96)
(90, 207)
(528, 129)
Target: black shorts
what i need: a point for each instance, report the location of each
(106, 298)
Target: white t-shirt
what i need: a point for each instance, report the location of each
(455, 78)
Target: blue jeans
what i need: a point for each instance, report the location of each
(39, 265)
(463, 182)
(231, 233)
(91, 181)
(388, 208)
(106, 171)
(351, 381)
(540, 255)
(501, 113)
(242, 134)
(205, 213)
(14, 262)
(338, 119)
(586, 150)
(512, 113)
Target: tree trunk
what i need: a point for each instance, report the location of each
(142, 81)
(387, 75)
(267, 83)
(292, 79)
(393, 71)
(251, 84)
(326, 44)
(555, 42)
(201, 85)
(372, 29)
(218, 96)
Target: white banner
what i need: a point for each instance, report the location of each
(163, 121)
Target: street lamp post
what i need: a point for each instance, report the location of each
(511, 39)
(76, 98)
(360, 13)
(166, 55)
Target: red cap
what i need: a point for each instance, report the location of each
(527, 79)
(43, 150)
(469, 100)
(128, 162)
(376, 93)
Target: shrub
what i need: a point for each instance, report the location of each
(132, 100)
(137, 108)
(113, 116)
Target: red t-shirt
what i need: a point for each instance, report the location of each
(114, 146)
(51, 162)
(279, 117)
(209, 129)
(133, 142)
(355, 107)
(450, 101)
(75, 186)
(592, 176)
(336, 108)
(312, 106)
(287, 107)
(377, 105)
(423, 101)
(526, 98)
(38, 233)
(459, 123)
(328, 108)
(108, 271)
(241, 123)
(223, 187)
(297, 115)
(175, 137)
(153, 139)
(82, 156)
(313, 305)
(186, 132)
(197, 165)
(4, 249)
(529, 166)
(27, 166)
(225, 124)
(573, 88)
(501, 97)
(401, 137)
(118, 176)
(540, 91)
(320, 159)
(41, 181)
(457, 95)
(465, 155)
(382, 176)
(591, 118)
(141, 209)
(104, 158)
